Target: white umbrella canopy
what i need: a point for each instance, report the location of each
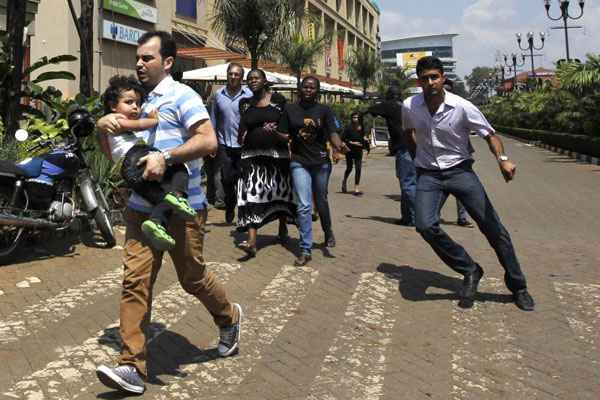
(219, 73)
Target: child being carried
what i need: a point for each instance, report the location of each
(124, 96)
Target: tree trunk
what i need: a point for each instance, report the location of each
(86, 47)
(15, 24)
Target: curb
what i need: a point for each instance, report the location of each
(568, 153)
(572, 154)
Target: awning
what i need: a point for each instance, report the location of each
(219, 73)
(208, 53)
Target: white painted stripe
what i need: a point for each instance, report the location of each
(35, 317)
(486, 360)
(583, 310)
(354, 366)
(276, 304)
(77, 365)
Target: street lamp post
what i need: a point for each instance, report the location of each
(531, 46)
(514, 66)
(500, 79)
(565, 16)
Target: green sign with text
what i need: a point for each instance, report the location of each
(132, 8)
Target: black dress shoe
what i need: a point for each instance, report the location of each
(302, 260)
(330, 240)
(470, 283)
(523, 300)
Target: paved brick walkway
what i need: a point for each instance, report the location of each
(374, 318)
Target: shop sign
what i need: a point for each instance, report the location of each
(121, 33)
(133, 9)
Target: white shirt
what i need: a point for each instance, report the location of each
(443, 139)
(120, 144)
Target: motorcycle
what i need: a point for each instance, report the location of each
(53, 190)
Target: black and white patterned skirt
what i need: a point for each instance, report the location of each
(264, 192)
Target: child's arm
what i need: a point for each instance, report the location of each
(140, 124)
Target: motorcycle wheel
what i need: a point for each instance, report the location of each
(10, 236)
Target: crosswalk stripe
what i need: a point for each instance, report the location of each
(584, 319)
(354, 366)
(484, 345)
(77, 365)
(57, 308)
(276, 304)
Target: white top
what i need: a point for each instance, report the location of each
(120, 144)
(443, 139)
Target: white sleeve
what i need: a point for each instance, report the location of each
(407, 122)
(476, 121)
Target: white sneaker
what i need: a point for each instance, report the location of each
(124, 378)
(229, 337)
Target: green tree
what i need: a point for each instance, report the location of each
(299, 52)
(578, 77)
(478, 76)
(257, 26)
(363, 66)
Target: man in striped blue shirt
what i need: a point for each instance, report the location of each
(184, 135)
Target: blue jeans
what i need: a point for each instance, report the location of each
(407, 175)
(461, 211)
(433, 188)
(309, 179)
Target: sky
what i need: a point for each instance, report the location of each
(487, 28)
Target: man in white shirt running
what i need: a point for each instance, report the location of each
(437, 125)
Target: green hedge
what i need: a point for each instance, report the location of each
(583, 144)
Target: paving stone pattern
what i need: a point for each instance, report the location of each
(374, 318)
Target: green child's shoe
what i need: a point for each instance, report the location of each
(181, 206)
(157, 235)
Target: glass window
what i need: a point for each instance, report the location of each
(186, 8)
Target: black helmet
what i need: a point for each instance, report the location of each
(81, 122)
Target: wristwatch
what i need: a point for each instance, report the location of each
(502, 157)
(168, 158)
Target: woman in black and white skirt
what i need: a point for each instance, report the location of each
(264, 189)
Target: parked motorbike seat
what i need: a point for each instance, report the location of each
(31, 168)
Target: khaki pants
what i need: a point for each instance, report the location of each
(142, 264)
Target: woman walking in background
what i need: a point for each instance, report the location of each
(311, 125)
(264, 191)
(354, 138)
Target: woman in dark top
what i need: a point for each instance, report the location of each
(354, 137)
(310, 126)
(264, 191)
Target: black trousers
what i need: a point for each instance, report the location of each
(174, 180)
(353, 157)
(230, 158)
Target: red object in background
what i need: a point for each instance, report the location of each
(340, 51)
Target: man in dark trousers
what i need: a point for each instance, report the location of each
(437, 124)
(391, 110)
(225, 116)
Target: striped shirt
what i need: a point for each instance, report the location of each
(179, 108)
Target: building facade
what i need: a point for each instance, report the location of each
(405, 52)
(351, 24)
(119, 23)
